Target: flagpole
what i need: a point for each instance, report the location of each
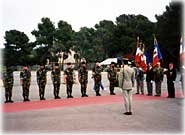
(160, 60)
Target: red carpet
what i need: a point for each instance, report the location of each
(52, 103)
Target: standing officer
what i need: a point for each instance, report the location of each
(83, 78)
(171, 76)
(69, 79)
(126, 82)
(97, 78)
(55, 77)
(8, 84)
(112, 76)
(139, 74)
(25, 80)
(158, 78)
(149, 79)
(41, 80)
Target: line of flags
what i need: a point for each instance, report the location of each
(142, 58)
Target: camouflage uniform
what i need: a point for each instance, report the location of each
(41, 80)
(56, 82)
(8, 84)
(83, 79)
(112, 76)
(69, 81)
(158, 78)
(25, 77)
(97, 79)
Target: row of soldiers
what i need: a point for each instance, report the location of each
(69, 79)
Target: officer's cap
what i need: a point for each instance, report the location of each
(56, 64)
(25, 65)
(125, 61)
(69, 63)
(42, 64)
(112, 63)
(83, 62)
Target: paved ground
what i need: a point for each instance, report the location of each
(155, 115)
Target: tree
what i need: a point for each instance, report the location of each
(83, 43)
(104, 37)
(169, 32)
(17, 48)
(63, 35)
(128, 28)
(45, 36)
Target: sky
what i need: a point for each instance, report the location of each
(24, 15)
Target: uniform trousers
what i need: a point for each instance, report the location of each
(171, 89)
(149, 87)
(25, 87)
(158, 87)
(127, 94)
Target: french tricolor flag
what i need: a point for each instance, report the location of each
(138, 52)
(156, 54)
(182, 52)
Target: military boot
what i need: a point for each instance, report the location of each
(97, 93)
(6, 101)
(10, 100)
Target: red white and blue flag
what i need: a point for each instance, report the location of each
(138, 52)
(156, 54)
(182, 52)
(141, 56)
(145, 60)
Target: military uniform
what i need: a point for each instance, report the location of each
(41, 80)
(83, 79)
(55, 76)
(8, 84)
(112, 76)
(139, 75)
(25, 77)
(69, 81)
(171, 75)
(158, 78)
(97, 79)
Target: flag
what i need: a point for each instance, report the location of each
(145, 60)
(147, 57)
(138, 53)
(156, 54)
(182, 51)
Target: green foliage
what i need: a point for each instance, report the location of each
(45, 36)
(17, 48)
(169, 32)
(83, 43)
(63, 35)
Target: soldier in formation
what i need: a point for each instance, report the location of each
(83, 78)
(8, 84)
(97, 78)
(69, 79)
(41, 80)
(55, 77)
(112, 77)
(25, 80)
